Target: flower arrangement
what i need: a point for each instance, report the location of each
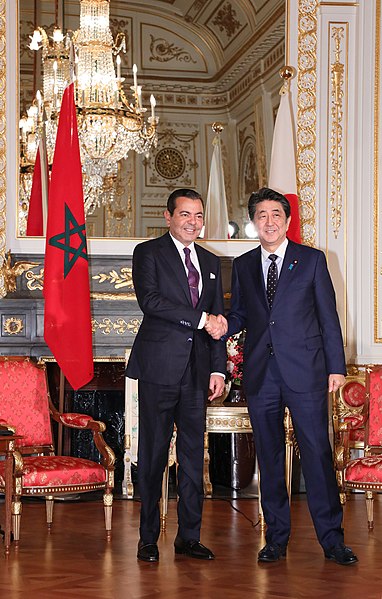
(235, 345)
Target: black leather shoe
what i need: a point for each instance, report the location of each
(192, 549)
(148, 552)
(271, 552)
(341, 555)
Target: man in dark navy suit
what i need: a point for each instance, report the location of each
(283, 296)
(179, 290)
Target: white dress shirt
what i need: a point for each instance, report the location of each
(280, 253)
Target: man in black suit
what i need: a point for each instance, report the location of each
(283, 296)
(179, 290)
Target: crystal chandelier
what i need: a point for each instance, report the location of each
(109, 124)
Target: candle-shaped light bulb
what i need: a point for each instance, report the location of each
(35, 40)
(139, 94)
(32, 111)
(55, 73)
(38, 98)
(135, 70)
(58, 36)
(118, 61)
(153, 104)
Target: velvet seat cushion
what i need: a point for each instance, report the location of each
(364, 470)
(55, 471)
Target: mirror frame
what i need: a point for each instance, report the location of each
(297, 12)
(9, 151)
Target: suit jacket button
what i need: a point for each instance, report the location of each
(189, 339)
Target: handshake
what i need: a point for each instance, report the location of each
(216, 326)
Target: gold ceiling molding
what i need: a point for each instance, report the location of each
(3, 145)
(307, 117)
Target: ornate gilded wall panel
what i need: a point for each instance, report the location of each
(3, 143)
(336, 178)
(377, 182)
(306, 116)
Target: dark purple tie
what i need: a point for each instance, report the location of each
(193, 278)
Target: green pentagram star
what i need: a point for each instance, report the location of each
(62, 241)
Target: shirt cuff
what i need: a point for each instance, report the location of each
(202, 320)
(219, 374)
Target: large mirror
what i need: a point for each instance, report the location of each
(204, 62)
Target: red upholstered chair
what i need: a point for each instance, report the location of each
(26, 406)
(348, 405)
(365, 473)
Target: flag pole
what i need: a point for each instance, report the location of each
(216, 212)
(61, 400)
(287, 31)
(286, 73)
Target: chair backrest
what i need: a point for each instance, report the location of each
(24, 400)
(374, 399)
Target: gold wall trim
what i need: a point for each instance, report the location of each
(307, 117)
(336, 141)
(339, 4)
(13, 325)
(3, 144)
(107, 326)
(377, 92)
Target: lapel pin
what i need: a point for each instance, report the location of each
(290, 267)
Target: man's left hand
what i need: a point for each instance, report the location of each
(216, 386)
(335, 382)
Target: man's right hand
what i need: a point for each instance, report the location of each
(216, 326)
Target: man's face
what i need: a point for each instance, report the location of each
(186, 222)
(271, 224)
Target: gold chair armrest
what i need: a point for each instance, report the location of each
(86, 422)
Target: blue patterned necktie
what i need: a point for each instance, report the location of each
(193, 278)
(272, 278)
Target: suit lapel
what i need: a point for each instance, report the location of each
(288, 272)
(256, 272)
(204, 269)
(171, 255)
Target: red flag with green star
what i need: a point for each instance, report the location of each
(67, 316)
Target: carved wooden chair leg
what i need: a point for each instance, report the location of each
(369, 509)
(263, 525)
(127, 483)
(207, 485)
(49, 504)
(108, 508)
(16, 517)
(164, 499)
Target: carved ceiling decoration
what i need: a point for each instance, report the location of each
(164, 51)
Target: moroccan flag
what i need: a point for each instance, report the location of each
(216, 216)
(36, 221)
(282, 174)
(67, 321)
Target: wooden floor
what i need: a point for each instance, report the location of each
(75, 561)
